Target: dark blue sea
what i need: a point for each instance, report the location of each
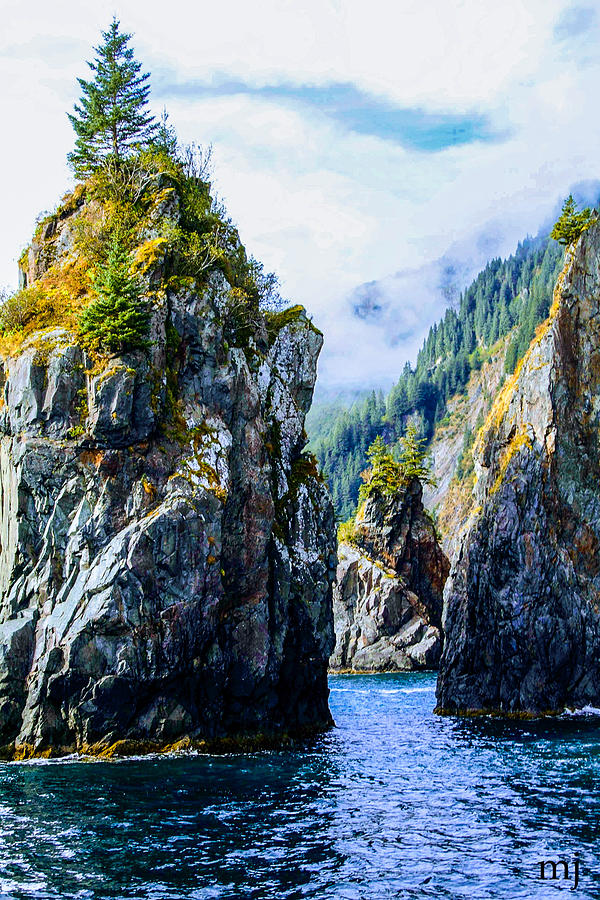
(393, 802)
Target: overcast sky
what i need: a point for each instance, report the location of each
(351, 140)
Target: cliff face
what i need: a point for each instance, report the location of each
(452, 496)
(522, 610)
(167, 552)
(387, 599)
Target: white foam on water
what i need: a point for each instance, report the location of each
(415, 690)
(583, 711)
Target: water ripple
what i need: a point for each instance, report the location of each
(392, 803)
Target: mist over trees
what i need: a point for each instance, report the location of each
(512, 295)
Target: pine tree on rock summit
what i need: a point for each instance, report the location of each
(112, 116)
(413, 458)
(571, 223)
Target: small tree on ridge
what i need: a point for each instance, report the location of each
(571, 223)
(112, 115)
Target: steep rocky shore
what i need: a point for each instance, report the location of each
(167, 550)
(522, 611)
(387, 599)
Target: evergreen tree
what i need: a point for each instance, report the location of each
(118, 320)
(384, 477)
(166, 136)
(413, 458)
(571, 223)
(112, 115)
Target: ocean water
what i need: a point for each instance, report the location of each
(394, 802)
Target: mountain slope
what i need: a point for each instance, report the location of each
(509, 297)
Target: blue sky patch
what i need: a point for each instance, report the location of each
(356, 110)
(574, 21)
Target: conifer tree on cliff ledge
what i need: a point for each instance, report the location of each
(112, 116)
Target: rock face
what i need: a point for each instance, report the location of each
(387, 600)
(450, 497)
(166, 550)
(522, 604)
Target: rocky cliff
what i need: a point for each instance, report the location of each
(451, 496)
(167, 551)
(387, 599)
(522, 604)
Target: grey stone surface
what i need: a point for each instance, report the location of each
(521, 610)
(387, 599)
(166, 557)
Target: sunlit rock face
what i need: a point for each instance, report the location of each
(522, 603)
(167, 551)
(387, 599)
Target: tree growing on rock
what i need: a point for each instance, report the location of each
(387, 476)
(571, 223)
(414, 462)
(384, 476)
(118, 320)
(112, 116)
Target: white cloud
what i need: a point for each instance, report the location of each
(325, 207)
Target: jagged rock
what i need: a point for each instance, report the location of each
(166, 551)
(387, 599)
(522, 610)
(120, 402)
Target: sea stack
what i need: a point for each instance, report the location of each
(167, 549)
(522, 603)
(387, 599)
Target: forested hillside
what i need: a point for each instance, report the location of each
(508, 295)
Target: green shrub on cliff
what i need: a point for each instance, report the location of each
(384, 476)
(571, 223)
(413, 458)
(118, 320)
(387, 476)
(346, 533)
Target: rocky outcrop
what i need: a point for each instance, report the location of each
(387, 599)
(166, 549)
(451, 496)
(522, 604)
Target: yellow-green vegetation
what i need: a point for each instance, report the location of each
(198, 438)
(276, 320)
(502, 402)
(519, 440)
(145, 194)
(346, 533)
(123, 206)
(456, 504)
(571, 223)
(148, 255)
(55, 299)
(387, 477)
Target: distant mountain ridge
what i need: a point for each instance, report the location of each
(508, 297)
